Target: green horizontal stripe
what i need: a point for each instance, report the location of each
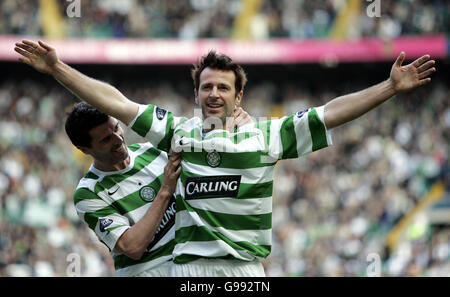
(229, 221)
(91, 218)
(261, 190)
(121, 206)
(122, 261)
(318, 131)
(134, 200)
(83, 194)
(246, 160)
(186, 258)
(140, 162)
(165, 143)
(196, 233)
(288, 139)
(134, 147)
(91, 175)
(144, 122)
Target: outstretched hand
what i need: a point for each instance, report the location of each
(408, 77)
(39, 55)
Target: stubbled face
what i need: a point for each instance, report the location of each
(216, 93)
(108, 146)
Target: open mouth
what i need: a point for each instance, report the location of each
(214, 106)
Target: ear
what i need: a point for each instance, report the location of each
(238, 98)
(196, 96)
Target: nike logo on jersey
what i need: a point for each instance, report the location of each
(112, 192)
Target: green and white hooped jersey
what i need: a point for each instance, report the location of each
(224, 194)
(111, 202)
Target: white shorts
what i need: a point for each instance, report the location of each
(162, 270)
(218, 268)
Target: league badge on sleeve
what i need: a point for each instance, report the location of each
(160, 113)
(301, 113)
(104, 223)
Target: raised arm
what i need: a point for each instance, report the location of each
(346, 108)
(101, 95)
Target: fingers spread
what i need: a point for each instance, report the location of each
(44, 45)
(25, 47)
(427, 73)
(23, 52)
(424, 81)
(30, 43)
(425, 66)
(421, 60)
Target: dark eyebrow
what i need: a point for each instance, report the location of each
(109, 135)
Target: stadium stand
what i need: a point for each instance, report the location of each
(204, 19)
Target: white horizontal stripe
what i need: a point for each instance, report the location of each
(253, 143)
(137, 214)
(210, 249)
(142, 148)
(259, 237)
(302, 134)
(158, 129)
(90, 205)
(87, 183)
(234, 206)
(275, 144)
(249, 176)
(146, 175)
(321, 113)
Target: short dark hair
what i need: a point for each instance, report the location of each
(219, 62)
(81, 119)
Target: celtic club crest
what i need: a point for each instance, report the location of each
(213, 159)
(147, 194)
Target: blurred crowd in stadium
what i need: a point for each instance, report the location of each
(214, 18)
(331, 209)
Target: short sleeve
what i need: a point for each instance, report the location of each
(107, 223)
(299, 134)
(156, 125)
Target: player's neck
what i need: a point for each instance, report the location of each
(105, 167)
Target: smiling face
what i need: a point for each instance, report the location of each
(216, 93)
(108, 147)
